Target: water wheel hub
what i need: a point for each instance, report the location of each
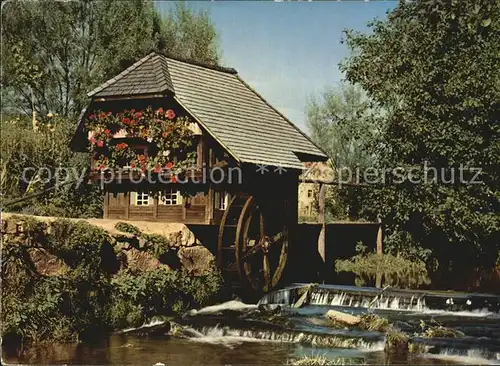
(253, 243)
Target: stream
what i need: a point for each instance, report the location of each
(275, 331)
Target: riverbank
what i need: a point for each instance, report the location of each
(239, 333)
(67, 280)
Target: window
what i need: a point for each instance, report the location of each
(142, 198)
(221, 200)
(170, 197)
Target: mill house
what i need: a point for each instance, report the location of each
(195, 144)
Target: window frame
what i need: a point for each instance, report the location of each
(171, 192)
(138, 196)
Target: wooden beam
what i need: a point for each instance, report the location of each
(128, 97)
(380, 248)
(378, 277)
(155, 207)
(127, 204)
(322, 221)
(106, 205)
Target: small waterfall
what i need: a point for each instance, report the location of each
(146, 325)
(473, 356)
(318, 340)
(388, 298)
(286, 296)
(232, 305)
(392, 302)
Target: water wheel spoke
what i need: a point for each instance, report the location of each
(261, 225)
(253, 251)
(276, 239)
(267, 272)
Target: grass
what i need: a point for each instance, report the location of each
(396, 341)
(323, 361)
(373, 322)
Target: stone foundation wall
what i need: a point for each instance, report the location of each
(133, 251)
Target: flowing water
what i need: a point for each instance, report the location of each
(274, 331)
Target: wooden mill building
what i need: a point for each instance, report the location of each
(236, 131)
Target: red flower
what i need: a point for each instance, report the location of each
(100, 143)
(102, 167)
(132, 166)
(132, 111)
(170, 114)
(92, 116)
(121, 146)
(107, 132)
(138, 115)
(169, 165)
(109, 114)
(133, 122)
(173, 179)
(157, 168)
(159, 110)
(92, 140)
(102, 115)
(126, 121)
(165, 134)
(141, 157)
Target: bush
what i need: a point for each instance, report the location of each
(395, 271)
(86, 299)
(157, 244)
(79, 244)
(127, 228)
(161, 292)
(22, 148)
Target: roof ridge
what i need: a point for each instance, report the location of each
(280, 114)
(163, 70)
(125, 72)
(206, 65)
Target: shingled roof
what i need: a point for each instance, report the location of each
(228, 108)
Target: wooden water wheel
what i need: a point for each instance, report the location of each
(253, 243)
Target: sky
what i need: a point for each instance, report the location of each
(288, 51)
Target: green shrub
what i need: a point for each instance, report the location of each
(157, 244)
(127, 228)
(161, 292)
(123, 313)
(395, 271)
(87, 299)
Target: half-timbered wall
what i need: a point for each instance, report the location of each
(124, 205)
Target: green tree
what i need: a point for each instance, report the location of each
(346, 124)
(55, 52)
(190, 35)
(32, 161)
(432, 65)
